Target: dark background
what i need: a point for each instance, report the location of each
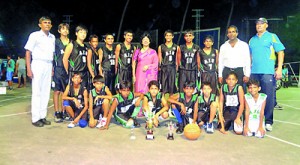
(20, 18)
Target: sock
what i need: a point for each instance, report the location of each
(178, 115)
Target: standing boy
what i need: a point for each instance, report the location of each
(39, 56)
(189, 60)
(124, 52)
(107, 62)
(209, 61)
(75, 56)
(167, 55)
(60, 76)
(92, 56)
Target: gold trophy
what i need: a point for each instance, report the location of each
(171, 129)
(149, 123)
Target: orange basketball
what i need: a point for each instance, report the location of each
(192, 131)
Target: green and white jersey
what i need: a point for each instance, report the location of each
(255, 106)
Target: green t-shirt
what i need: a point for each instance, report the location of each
(11, 66)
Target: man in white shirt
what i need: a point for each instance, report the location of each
(234, 56)
(40, 49)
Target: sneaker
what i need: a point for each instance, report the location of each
(269, 127)
(209, 128)
(135, 123)
(101, 123)
(278, 107)
(66, 116)
(58, 118)
(72, 125)
(180, 129)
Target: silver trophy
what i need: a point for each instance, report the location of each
(171, 131)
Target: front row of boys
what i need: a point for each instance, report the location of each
(187, 106)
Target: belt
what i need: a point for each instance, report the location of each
(233, 69)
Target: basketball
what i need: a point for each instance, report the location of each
(192, 131)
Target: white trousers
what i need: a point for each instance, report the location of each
(41, 86)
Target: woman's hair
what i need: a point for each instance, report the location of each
(145, 34)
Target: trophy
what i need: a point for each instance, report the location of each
(132, 135)
(171, 129)
(149, 123)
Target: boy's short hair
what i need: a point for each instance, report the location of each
(124, 85)
(189, 84)
(188, 31)
(205, 83)
(98, 78)
(209, 37)
(169, 31)
(232, 73)
(108, 34)
(153, 82)
(76, 73)
(60, 26)
(81, 27)
(128, 31)
(93, 36)
(253, 82)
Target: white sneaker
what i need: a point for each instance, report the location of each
(71, 125)
(99, 125)
(209, 128)
(269, 127)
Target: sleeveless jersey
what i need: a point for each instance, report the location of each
(108, 59)
(125, 57)
(208, 61)
(203, 105)
(78, 57)
(95, 94)
(168, 54)
(78, 96)
(157, 104)
(189, 57)
(95, 61)
(59, 53)
(188, 105)
(255, 107)
(231, 99)
(122, 102)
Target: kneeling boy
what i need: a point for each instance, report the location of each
(99, 99)
(125, 106)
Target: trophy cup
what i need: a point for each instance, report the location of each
(171, 129)
(150, 135)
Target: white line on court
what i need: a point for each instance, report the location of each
(284, 141)
(15, 98)
(290, 106)
(22, 113)
(287, 122)
(287, 100)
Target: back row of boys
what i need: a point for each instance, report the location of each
(88, 62)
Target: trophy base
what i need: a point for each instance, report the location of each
(149, 136)
(170, 137)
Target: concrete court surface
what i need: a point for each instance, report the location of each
(22, 144)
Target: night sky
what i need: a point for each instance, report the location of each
(19, 19)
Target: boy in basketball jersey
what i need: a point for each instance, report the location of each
(75, 56)
(92, 56)
(75, 99)
(125, 106)
(155, 102)
(207, 107)
(209, 61)
(124, 52)
(167, 54)
(184, 106)
(60, 76)
(189, 60)
(255, 103)
(107, 61)
(99, 101)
